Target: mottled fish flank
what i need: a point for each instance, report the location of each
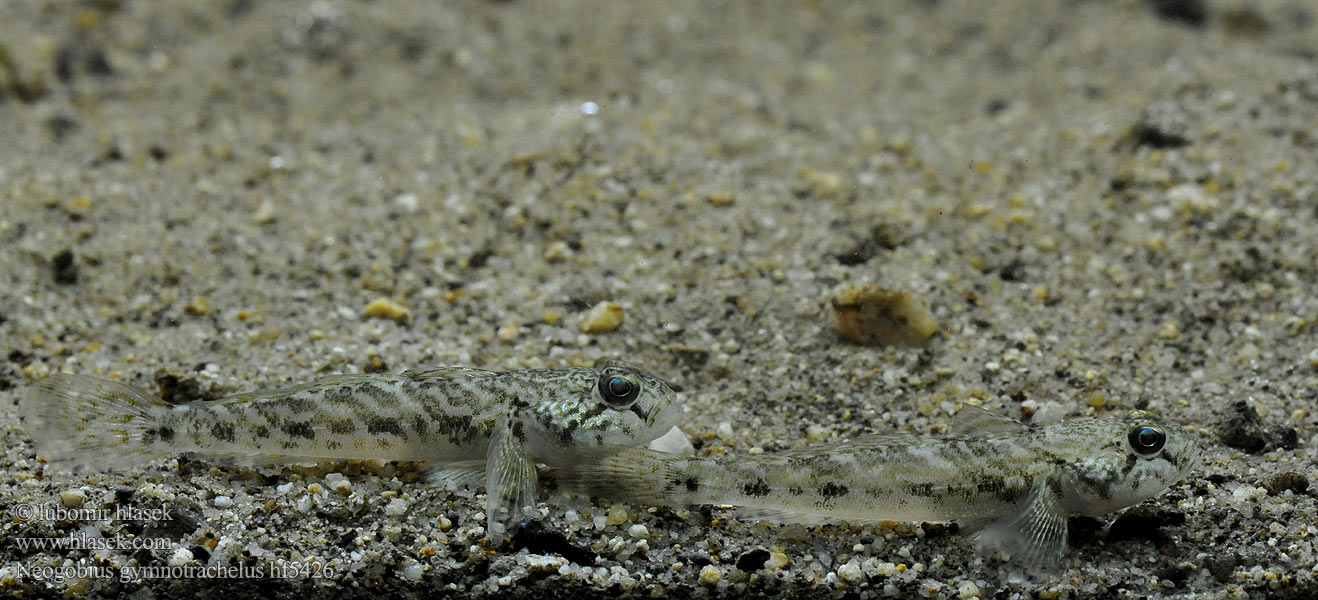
(1011, 486)
(471, 424)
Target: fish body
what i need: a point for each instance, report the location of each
(468, 423)
(1012, 486)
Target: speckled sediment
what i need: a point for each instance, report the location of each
(1104, 206)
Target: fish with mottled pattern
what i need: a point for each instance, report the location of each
(1012, 486)
(469, 423)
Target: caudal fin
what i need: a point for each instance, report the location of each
(88, 424)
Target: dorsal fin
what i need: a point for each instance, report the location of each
(974, 420)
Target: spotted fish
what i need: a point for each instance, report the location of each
(1011, 486)
(470, 424)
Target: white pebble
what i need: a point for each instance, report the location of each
(709, 575)
(396, 507)
(638, 531)
(181, 557)
(673, 442)
(850, 572)
(73, 498)
(222, 501)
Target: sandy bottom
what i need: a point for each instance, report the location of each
(1103, 206)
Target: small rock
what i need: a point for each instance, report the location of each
(396, 507)
(1186, 12)
(384, 308)
(222, 501)
(851, 572)
(602, 318)
(673, 442)
(868, 314)
(695, 358)
(721, 198)
(537, 539)
(1290, 480)
(638, 531)
(617, 515)
(1242, 428)
(709, 575)
(199, 307)
(73, 498)
(181, 557)
(64, 267)
(753, 560)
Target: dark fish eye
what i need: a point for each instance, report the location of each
(619, 390)
(1147, 440)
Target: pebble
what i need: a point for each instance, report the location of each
(222, 501)
(181, 557)
(617, 515)
(411, 571)
(73, 498)
(851, 572)
(638, 531)
(753, 560)
(384, 308)
(1290, 480)
(873, 315)
(1242, 428)
(709, 575)
(396, 507)
(602, 318)
(339, 484)
(673, 442)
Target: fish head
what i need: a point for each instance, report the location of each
(1122, 462)
(615, 404)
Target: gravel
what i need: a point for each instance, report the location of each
(1102, 206)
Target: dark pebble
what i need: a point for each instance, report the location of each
(65, 267)
(1290, 480)
(176, 389)
(1221, 565)
(539, 540)
(753, 560)
(1242, 428)
(1142, 522)
(1285, 438)
(123, 494)
(1186, 12)
(60, 126)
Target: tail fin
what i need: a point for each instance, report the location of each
(91, 424)
(635, 474)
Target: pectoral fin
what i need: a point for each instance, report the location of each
(510, 482)
(457, 475)
(1035, 536)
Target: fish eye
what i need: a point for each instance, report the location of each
(1147, 440)
(619, 390)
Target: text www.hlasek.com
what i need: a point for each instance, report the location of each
(86, 542)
